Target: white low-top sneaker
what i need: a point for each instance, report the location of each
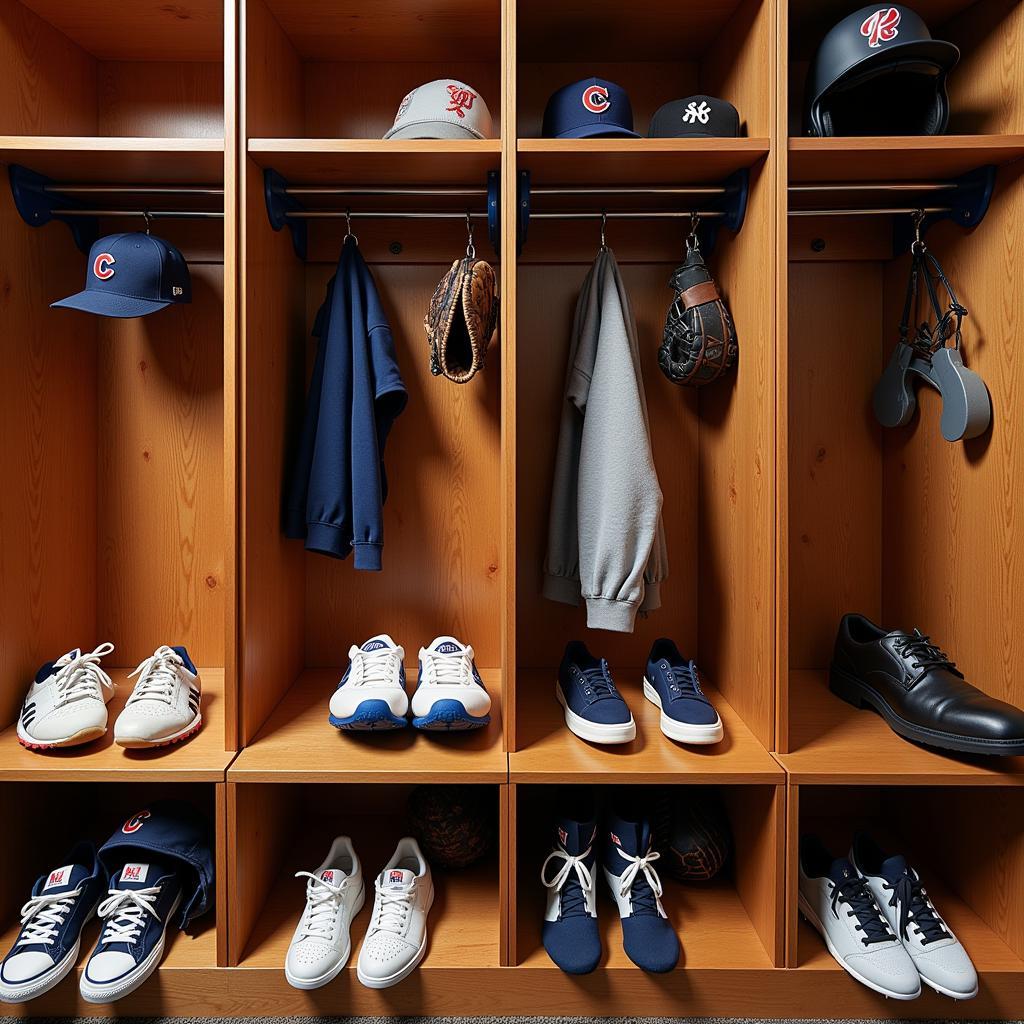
(937, 953)
(371, 694)
(165, 705)
(67, 702)
(396, 940)
(450, 693)
(838, 902)
(321, 944)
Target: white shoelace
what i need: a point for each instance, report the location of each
(42, 916)
(392, 907)
(448, 669)
(158, 676)
(375, 668)
(570, 863)
(82, 678)
(322, 903)
(126, 910)
(636, 865)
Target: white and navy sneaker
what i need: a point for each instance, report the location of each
(141, 901)
(335, 893)
(838, 902)
(46, 948)
(939, 957)
(672, 684)
(165, 706)
(396, 940)
(371, 694)
(450, 694)
(67, 702)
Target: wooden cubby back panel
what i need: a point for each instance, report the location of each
(442, 520)
(272, 104)
(161, 530)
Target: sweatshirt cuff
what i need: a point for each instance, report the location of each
(327, 539)
(561, 588)
(652, 598)
(368, 555)
(604, 613)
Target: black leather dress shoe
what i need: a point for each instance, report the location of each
(919, 691)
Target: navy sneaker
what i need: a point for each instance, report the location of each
(648, 937)
(46, 948)
(672, 684)
(570, 922)
(594, 710)
(142, 899)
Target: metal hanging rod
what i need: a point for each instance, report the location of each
(357, 215)
(136, 190)
(872, 212)
(632, 215)
(374, 190)
(148, 214)
(631, 190)
(879, 186)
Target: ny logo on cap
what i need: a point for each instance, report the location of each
(595, 99)
(881, 27)
(103, 265)
(693, 113)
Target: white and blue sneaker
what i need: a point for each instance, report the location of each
(450, 694)
(141, 901)
(371, 694)
(46, 949)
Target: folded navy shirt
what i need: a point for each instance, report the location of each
(337, 485)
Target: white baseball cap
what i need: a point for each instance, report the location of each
(442, 109)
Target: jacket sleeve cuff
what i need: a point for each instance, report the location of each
(368, 556)
(561, 588)
(617, 616)
(652, 598)
(327, 539)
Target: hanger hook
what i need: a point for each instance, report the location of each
(348, 229)
(918, 247)
(604, 223)
(692, 240)
(147, 217)
(470, 247)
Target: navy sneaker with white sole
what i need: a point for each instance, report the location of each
(141, 901)
(46, 949)
(371, 695)
(672, 684)
(594, 709)
(450, 695)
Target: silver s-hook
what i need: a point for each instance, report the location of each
(148, 219)
(348, 229)
(918, 245)
(692, 241)
(604, 222)
(470, 247)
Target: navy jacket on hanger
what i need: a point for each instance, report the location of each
(338, 486)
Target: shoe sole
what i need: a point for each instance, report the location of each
(860, 695)
(404, 973)
(449, 716)
(958, 996)
(108, 993)
(22, 994)
(369, 716)
(307, 985)
(76, 739)
(684, 732)
(139, 743)
(595, 732)
(812, 920)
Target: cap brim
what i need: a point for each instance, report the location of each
(109, 304)
(596, 131)
(932, 51)
(694, 135)
(433, 130)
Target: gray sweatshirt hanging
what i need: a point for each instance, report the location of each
(606, 542)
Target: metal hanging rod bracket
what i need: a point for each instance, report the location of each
(725, 206)
(965, 201)
(285, 209)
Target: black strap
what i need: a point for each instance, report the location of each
(948, 322)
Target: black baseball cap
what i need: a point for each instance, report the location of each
(131, 275)
(701, 115)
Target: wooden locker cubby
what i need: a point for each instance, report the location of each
(143, 459)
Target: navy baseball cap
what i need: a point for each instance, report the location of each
(130, 275)
(591, 108)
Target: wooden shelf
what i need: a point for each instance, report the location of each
(550, 753)
(834, 743)
(297, 744)
(117, 160)
(379, 161)
(929, 158)
(637, 161)
(202, 758)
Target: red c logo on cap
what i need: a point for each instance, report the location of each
(595, 99)
(134, 823)
(102, 266)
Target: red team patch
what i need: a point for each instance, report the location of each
(56, 878)
(881, 27)
(132, 873)
(103, 265)
(595, 99)
(134, 823)
(327, 876)
(395, 876)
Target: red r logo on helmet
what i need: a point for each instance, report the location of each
(102, 266)
(595, 99)
(881, 27)
(134, 823)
